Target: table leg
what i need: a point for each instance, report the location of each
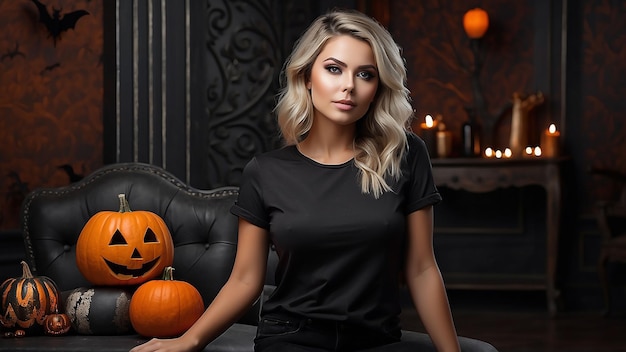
(553, 209)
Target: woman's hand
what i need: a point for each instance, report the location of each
(178, 344)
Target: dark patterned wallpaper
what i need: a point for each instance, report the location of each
(50, 99)
(601, 141)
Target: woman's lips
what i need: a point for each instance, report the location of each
(344, 104)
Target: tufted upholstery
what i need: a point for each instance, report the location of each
(205, 241)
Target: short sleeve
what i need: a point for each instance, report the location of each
(249, 204)
(420, 189)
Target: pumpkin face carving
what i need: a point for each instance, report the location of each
(123, 248)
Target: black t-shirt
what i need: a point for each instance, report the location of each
(340, 251)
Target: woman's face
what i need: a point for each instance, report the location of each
(344, 80)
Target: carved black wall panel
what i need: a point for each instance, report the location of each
(241, 55)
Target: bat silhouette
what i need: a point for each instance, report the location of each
(69, 170)
(18, 188)
(50, 68)
(55, 24)
(12, 53)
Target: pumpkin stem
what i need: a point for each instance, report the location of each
(26, 274)
(168, 273)
(124, 206)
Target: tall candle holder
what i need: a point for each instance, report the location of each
(550, 142)
(428, 132)
(444, 141)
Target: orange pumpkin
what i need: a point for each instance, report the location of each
(123, 248)
(57, 324)
(26, 301)
(475, 23)
(165, 308)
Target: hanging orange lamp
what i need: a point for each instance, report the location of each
(475, 23)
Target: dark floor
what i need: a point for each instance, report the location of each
(528, 328)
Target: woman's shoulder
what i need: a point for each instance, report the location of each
(274, 156)
(416, 156)
(414, 143)
(268, 163)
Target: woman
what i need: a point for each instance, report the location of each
(347, 203)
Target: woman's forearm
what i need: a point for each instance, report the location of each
(430, 299)
(233, 300)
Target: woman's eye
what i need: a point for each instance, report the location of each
(333, 69)
(365, 75)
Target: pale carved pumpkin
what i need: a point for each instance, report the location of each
(123, 248)
(26, 301)
(100, 310)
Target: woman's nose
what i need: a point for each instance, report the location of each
(348, 84)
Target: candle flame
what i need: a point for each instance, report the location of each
(552, 128)
(508, 153)
(537, 151)
(429, 121)
(489, 152)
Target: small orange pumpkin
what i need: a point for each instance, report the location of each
(123, 248)
(26, 301)
(475, 23)
(165, 308)
(57, 324)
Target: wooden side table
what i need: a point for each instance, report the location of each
(479, 175)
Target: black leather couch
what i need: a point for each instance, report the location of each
(205, 240)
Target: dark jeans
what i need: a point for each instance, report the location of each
(291, 334)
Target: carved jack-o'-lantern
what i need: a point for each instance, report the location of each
(124, 248)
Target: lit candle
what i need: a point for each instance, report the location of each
(498, 154)
(508, 153)
(444, 142)
(550, 143)
(529, 151)
(537, 151)
(489, 152)
(429, 134)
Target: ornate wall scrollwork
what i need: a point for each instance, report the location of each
(243, 63)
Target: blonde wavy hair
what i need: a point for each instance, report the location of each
(381, 134)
